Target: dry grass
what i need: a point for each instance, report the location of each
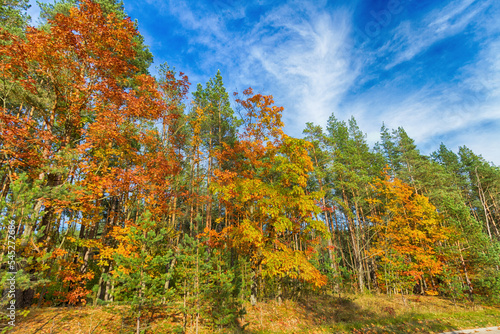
(369, 314)
(315, 314)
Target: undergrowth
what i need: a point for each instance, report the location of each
(314, 314)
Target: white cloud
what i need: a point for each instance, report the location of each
(303, 55)
(449, 112)
(412, 38)
(309, 59)
(460, 111)
(297, 52)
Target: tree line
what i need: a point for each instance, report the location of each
(124, 189)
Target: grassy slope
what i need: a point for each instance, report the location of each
(371, 314)
(350, 314)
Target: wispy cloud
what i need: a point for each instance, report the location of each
(298, 52)
(310, 60)
(433, 69)
(413, 37)
(452, 104)
(304, 55)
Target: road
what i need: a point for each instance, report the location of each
(489, 330)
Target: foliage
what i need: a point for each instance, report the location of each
(408, 230)
(264, 193)
(122, 193)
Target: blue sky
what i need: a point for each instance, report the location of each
(432, 67)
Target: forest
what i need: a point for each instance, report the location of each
(117, 187)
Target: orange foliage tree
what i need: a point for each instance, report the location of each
(267, 208)
(408, 232)
(77, 128)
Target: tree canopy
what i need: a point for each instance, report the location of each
(119, 187)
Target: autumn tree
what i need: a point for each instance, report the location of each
(408, 233)
(78, 129)
(268, 210)
(142, 59)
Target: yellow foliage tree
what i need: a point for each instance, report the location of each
(408, 231)
(269, 213)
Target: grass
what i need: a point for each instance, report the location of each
(316, 314)
(370, 314)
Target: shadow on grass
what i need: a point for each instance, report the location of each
(401, 324)
(323, 309)
(334, 314)
(314, 314)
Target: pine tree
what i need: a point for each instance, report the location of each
(217, 129)
(14, 17)
(353, 166)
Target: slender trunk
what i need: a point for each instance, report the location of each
(361, 238)
(338, 240)
(253, 287)
(167, 281)
(191, 203)
(462, 261)
(484, 204)
(209, 181)
(5, 186)
(138, 322)
(174, 209)
(197, 287)
(354, 232)
(107, 294)
(495, 214)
